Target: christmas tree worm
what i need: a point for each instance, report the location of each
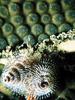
(36, 72)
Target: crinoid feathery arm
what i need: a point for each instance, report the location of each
(35, 72)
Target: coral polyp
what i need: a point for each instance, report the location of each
(29, 19)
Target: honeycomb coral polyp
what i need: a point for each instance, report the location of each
(35, 15)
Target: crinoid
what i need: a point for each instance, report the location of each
(36, 72)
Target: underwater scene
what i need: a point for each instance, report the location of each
(37, 49)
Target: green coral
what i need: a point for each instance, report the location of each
(58, 19)
(3, 43)
(70, 16)
(54, 8)
(37, 29)
(45, 18)
(51, 29)
(35, 15)
(42, 37)
(29, 40)
(22, 30)
(4, 12)
(32, 19)
(7, 29)
(67, 4)
(16, 20)
(28, 7)
(64, 27)
(41, 7)
(13, 9)
(12, 40)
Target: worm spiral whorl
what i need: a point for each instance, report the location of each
(39, 78)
